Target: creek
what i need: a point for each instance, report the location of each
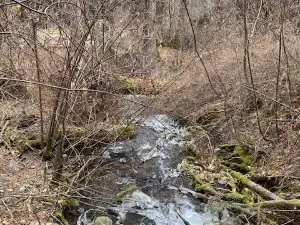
(163, 195)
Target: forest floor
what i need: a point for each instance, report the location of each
(24, 177)
(226, 121)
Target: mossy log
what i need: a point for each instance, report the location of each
(106, 133)
(266, 194)
(138, 85)
(280, 204)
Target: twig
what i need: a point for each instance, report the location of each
(181, 217)
(247, 58)
(258, 14)
(9, 211)
(12, 3)
(290, 221)
(27, 7)
(272, 99)
(196, 49)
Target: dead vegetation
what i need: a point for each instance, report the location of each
(230, 68)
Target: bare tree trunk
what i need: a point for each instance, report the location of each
(38, 72)
(149, 42)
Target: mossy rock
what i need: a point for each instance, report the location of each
(244, 154)
(121, 196)
(242, 167)
(236, 157)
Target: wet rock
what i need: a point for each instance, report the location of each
(103, 220)
(136, 219)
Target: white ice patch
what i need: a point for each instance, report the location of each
(161, 213)
(146, 146)
(165, 124)
(153, 154)
(117, 148)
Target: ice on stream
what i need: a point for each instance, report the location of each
(178, 212)
(156, 142)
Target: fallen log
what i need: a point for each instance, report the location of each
(282, 204)
(266, 194)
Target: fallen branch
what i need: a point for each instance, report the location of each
(266, 194)
(286, 204)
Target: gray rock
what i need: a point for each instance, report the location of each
(103, 220)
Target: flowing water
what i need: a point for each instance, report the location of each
(164, 196)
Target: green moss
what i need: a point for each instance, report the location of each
(129, 83)
(126, 131)
(244, 154)
(237, 166)
(204, 187)
(244, 197)
(240, 177)
(248, 194)
(272, 222)
(190, 159)
(235, 196)
(236, 157)
(69, 202)
(61, 217)
(201, 185)
(123, 194)
(294, 139)
(33, 143)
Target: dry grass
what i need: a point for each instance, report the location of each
(190, 96)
